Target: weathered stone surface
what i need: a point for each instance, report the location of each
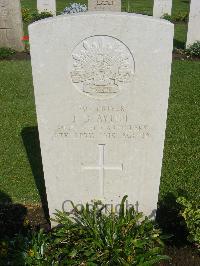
(101, 88)
(162, 7)
(104, 5)
(193, 34)
(11, 27)
(47, 5)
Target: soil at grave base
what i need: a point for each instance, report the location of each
(184, 57)
(15, 218)
(18, 56)
(182, 256)
(37, 217)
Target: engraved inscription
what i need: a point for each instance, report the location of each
(104, 2)
(45, 2)
(3, 14)
(10, 25)
(102, 122)
(101, 66)
(4, 25)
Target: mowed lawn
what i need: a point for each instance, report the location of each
(136, 6)
(20, 162)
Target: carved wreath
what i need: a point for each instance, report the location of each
(101, 63)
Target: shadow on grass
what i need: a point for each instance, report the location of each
(12, 216)
(178, 44)
(31, 142)
(12, 222)
(169, 219)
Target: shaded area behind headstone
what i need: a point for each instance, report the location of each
(30, 139)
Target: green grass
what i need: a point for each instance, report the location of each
(181, 164)
(180, 6)
(137, 6)
(31, 4)
(17, 111)
(20, 160)
(180, 35)
(146, 6)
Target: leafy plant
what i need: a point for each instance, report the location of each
(30, 249)
(37, 248)
(6, 52)
(90, 237)
(191, 214)
(194, 49)
(29, 17)
(180, 17)
(26, 15)
(37, 16)
(167, 17)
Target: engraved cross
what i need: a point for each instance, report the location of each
(101, 167)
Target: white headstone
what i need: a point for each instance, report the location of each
(104, 5)
(193, 34)
(11, 27)
(101, 88)
(162, 7)
(46, 6)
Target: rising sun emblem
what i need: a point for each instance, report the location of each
(101, 66)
